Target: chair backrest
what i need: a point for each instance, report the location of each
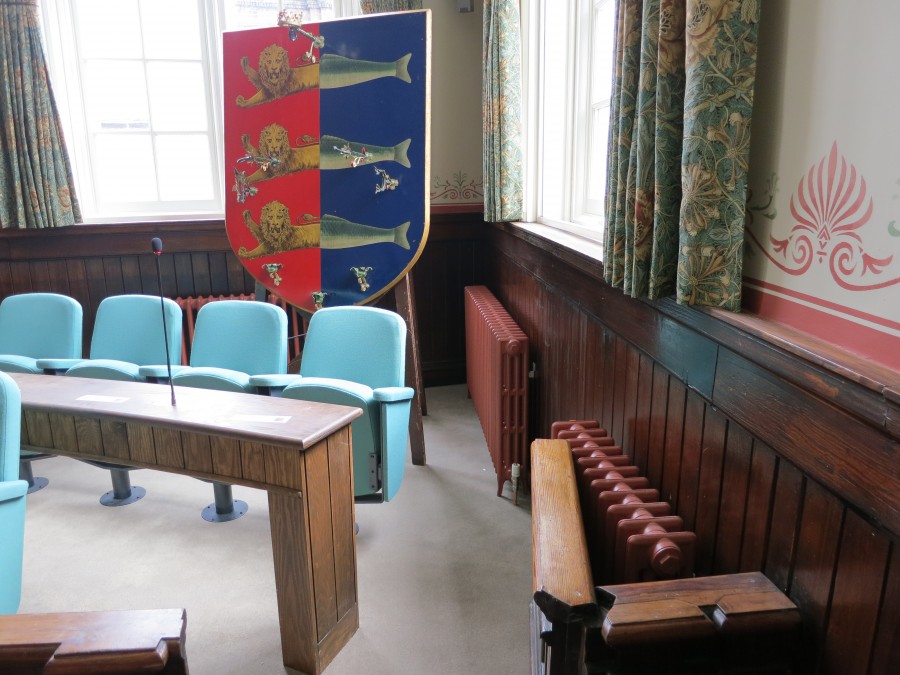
(10, 427)
(130, 328)
(360, 344)
(243, 335)
(41, 326)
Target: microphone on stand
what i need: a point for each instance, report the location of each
(156, 242)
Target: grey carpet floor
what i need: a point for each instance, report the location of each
(444, 568)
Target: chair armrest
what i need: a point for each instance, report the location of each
(274, 384)
(392, 394)
(160, 373)
(563, 585)
(57, 365)
(12, 489)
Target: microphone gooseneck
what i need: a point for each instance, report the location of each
(156, 243)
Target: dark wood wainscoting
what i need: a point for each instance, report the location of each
(91, 262)
(779, 465)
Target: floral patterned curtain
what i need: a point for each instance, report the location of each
(378, 6)
(502, 111)
(679, 148)
(36, 185)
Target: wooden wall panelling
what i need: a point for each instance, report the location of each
(659, 407)
(665, 467)
(630, 399)
(853, 460)
(853, 619)
(640, 446)
(112, 273)
(733, 504)
(684, 502)
(201, 283)
(757, 515)
(608, 356)
(131, 274)
(814, 568)
(787, 505)
(183, 269)
(618, 391)
(712, 459)
(886, 647)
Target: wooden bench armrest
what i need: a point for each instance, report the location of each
(103, 643)
(563, 586)
(727, 604)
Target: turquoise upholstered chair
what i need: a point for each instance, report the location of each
(356, 356)
(233, 339)
(35, 326)
(128, 333)
(12, 497)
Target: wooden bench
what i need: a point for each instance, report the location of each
(102, 643)
(659, 626)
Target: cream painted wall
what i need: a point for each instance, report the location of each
(456, 169)
(824, 242)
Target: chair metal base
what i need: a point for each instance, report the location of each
(26, 474)
(123, 492)
(225, 508)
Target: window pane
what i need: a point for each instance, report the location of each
(596, 187)
(108, 29)
(185, 167)
(243, 14)
(115, 95)
(604, 37)
(171, 29)
(123, 168)
(554, 98)
(177, 97)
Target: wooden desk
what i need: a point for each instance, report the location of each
(298, 451)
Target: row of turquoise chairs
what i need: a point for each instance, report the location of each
(352, 356)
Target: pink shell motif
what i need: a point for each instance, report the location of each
(830, 205)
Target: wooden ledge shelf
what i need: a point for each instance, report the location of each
(102, 643)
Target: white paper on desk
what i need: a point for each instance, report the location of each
(274, 419)
(97, 398)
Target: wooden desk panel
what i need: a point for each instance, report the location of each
(303, 460)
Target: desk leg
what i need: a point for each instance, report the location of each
(314, 547)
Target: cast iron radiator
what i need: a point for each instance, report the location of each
(497, 377)
(615, 591)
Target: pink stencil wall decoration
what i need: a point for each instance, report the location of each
(830, 207)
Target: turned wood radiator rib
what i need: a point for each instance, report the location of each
(594, 519)
(497, 377)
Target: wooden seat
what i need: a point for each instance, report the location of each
(107, 643)
(679, 626)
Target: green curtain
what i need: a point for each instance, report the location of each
(378, 6)
(679, 148)
(502, 111)
(36, 184)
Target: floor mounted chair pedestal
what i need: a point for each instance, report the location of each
(37, 326)
(129, 332)
(233, 339)
(12, 497)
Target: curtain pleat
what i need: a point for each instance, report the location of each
(36, 183)
(682, 102)
(502, 111)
